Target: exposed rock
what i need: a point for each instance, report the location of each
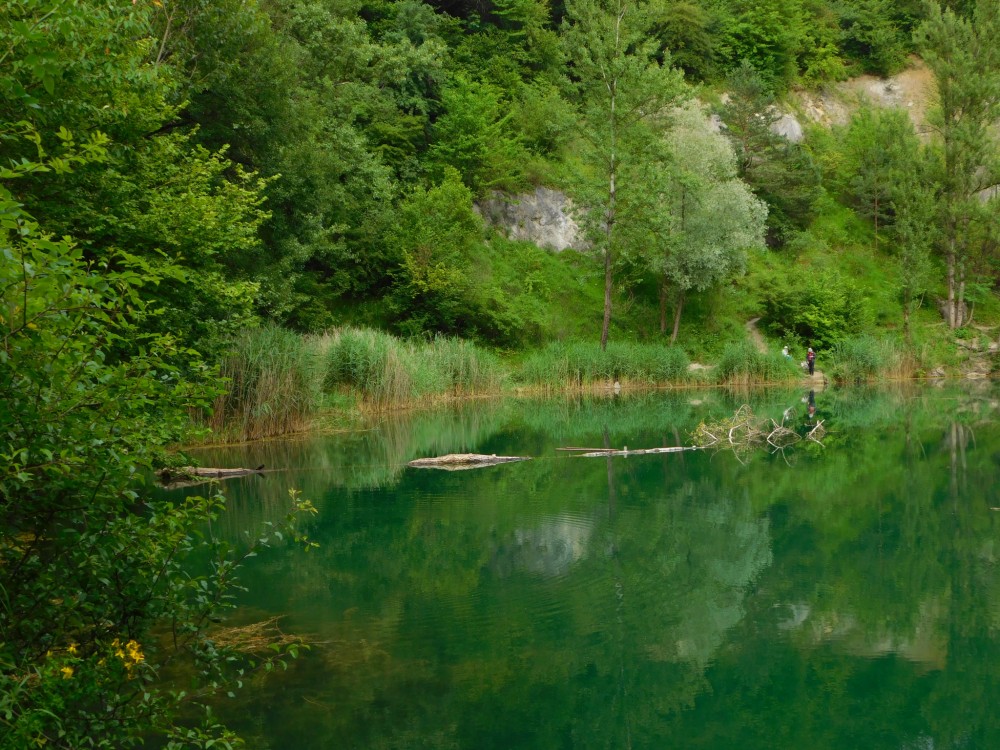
(788, 128)
(544, 217)
(977, 366)
(823, 108)
(911, 89)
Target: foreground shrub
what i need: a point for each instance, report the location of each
(94, 569)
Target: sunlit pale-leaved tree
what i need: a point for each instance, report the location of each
(713, 216)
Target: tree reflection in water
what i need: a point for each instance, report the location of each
(847, 598)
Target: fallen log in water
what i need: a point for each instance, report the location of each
(190, 475)
(460, 461)
(602, 452)
(221, 473)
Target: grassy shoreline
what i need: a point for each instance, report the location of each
(279, 382)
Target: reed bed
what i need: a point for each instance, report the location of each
(864, 359)
(742, 364)
(388, 371)
(274, 384)
(278, 380)
(583, 364)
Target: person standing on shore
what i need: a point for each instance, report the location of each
(811, 359)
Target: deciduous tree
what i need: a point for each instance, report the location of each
(713, 216)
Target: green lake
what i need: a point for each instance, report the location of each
(843, 595)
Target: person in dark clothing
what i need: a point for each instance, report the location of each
(811, 359)
(811, 406)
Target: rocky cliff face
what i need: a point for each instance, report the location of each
(544, 217)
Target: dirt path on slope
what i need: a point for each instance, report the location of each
(755, 335)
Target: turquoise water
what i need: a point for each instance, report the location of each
(844, 595)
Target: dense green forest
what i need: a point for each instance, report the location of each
(316, 164)
(287, 190)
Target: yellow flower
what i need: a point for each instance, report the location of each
(67, 672)
(72, 649)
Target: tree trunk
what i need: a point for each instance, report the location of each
(607, 295)
(663, 307)
(906, 321)
(677, 317)
(960, 297)
(950, 309)
(612, 194)
(876, 222)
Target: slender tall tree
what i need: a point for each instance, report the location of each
(964, 56)
(624, 91)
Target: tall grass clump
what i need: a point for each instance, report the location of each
(274, 380)
(463, 367)
(743, 364)
(385, 370)
(865, 358)
(584, 363)
(371, 362)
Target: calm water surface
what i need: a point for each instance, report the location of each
(836, 596)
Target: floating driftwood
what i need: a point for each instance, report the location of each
(603, 452)
(221, 473)
(191, 475)
(460, 461)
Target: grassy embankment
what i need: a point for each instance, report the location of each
(830, 276)
(279, 381)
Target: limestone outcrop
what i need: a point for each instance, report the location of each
(544, 217)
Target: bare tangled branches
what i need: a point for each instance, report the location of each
(744, 432)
